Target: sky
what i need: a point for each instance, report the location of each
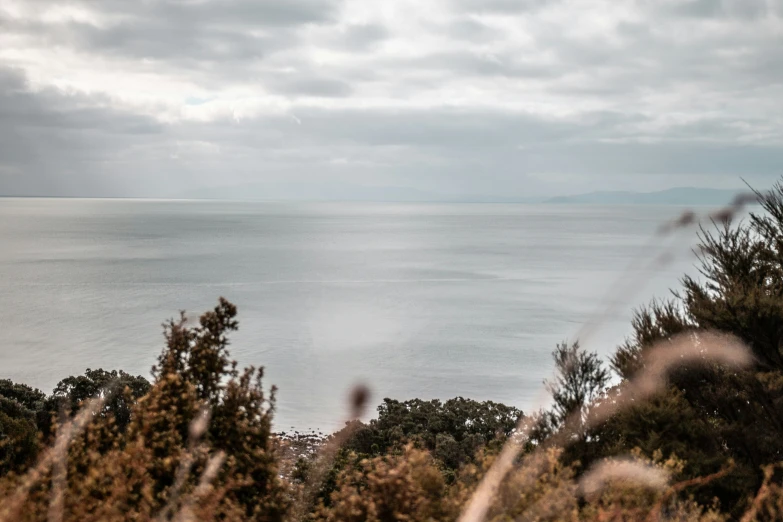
(405, 99)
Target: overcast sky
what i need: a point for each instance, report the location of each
(432, 97)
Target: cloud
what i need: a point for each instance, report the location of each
(58, 143)
(503, 6)
(309, 85)
(362, 36)
(722, 9)
(454, 98)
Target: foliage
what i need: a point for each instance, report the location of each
(409, 487)
(453, 430)
(18, 435)
(580, 379)
(154, 466)
(120, 389)
(390, 488)
(20, 412)
(710, 413)
(31, 398)
(654, 324)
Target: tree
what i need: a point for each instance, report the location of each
(198, 441)
(580, 379)
(195, 373)
(454, 430)
(121, 390)
(736, 413)
(658, 322)
(32, 400)
(18, 435)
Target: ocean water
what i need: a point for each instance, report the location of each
(414, 300)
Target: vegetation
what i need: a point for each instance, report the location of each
(452, 431)
(689, 429)
(195, 443)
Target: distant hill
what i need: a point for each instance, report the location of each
(674, 196)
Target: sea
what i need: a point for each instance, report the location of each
(412, 300)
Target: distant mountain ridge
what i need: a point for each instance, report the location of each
(673, 196)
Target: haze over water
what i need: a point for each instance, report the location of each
(415, 300)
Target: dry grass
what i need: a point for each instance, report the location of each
(711, 346)
(623, 470)
(706, 347)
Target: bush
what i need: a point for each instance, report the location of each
(454, 430)
(18, 436)
(198, 443)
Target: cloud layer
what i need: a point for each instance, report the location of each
(450, 98)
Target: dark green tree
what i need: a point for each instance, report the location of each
(711, 413)
(19, 441)
(120, 390)
(580, 379)
(453, 430)
(22, 410)
(31, 398)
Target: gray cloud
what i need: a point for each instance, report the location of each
(60, 144)
(505, 64)
(309, 85)
(503, 6)
(160, 40)
(491, 97)
(210, 52)
(363, 36)
(468, 28)
(241, 13)
(745, 9)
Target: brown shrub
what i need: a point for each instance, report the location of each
(167, 463)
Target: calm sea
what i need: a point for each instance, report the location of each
(415, 300)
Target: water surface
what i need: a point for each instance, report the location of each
(429, 301)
